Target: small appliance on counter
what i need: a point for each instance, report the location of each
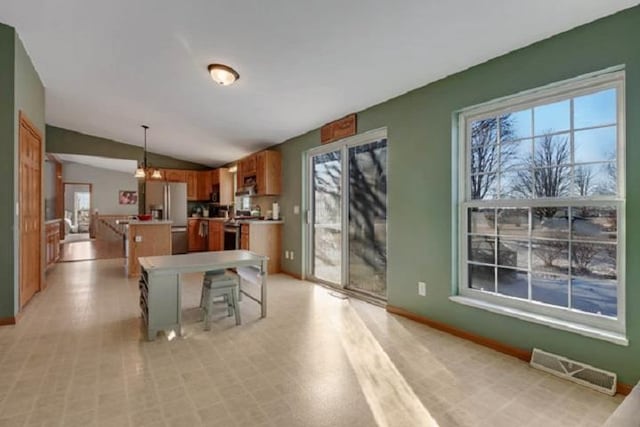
(156, 211)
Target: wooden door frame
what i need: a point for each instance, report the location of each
(59, 192)
(23, 121)
(64, 193)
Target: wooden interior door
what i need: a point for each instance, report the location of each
(30, 209)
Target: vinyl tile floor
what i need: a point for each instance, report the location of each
(78, 358)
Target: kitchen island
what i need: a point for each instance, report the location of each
(161, 286)
(144, 239)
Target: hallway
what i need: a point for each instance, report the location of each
(87, 250)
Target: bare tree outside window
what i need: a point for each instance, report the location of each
(583, 177)
(487, 156)
(551, 176)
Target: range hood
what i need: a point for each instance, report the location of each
(248, 190)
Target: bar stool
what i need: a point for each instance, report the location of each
(218, 284)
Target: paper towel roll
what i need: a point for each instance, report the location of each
(276, 210)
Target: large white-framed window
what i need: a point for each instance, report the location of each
(541, 202)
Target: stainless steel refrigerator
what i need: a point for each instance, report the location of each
(171, 199)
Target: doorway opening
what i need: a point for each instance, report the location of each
(77, 212)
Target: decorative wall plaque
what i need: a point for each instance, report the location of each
(338, 129)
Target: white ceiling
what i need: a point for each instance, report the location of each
(109, 66)
(119, 165)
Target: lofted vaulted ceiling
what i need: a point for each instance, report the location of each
(110, 66)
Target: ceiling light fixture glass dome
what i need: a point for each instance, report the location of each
(223, 74)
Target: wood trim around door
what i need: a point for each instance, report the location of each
(30, 161)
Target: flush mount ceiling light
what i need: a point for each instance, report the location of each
(142, 171)
(223, 74)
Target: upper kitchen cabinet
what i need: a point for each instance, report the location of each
(191, 178)
(222, 186)
(268, 173)
(204, 185)
(249, 165)
(263, 170)
(174, 175)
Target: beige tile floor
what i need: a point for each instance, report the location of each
(78, 358)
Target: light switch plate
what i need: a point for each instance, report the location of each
(422, 289)
(296, 210)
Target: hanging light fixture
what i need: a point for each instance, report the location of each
(223, 74)
(141, 171)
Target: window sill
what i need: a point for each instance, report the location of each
(588, 331)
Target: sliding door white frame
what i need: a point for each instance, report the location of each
(342, 146)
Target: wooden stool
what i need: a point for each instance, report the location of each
(219, 285)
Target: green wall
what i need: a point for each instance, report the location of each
(30, 99)
(20, 90)
(419, 126)
(66, 141)
(7, 152)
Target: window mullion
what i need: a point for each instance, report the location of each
(570, 269)
(495, 252)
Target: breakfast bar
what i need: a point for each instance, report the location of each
(160, 283)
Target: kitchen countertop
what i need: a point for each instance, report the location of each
(259, 221)
(153, 222)
(242, 221)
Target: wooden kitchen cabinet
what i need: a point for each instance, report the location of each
(216, 235)
(192, 184)
(246, 169)
(266, 167)
(268, 173)
(249, 165)
(52, 248)
(239, 175)
(244, 236)
(204, 185)
(222, 182)
(263, 238)
(196, 242)
(174, 175)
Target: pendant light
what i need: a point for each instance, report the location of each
(141, 172)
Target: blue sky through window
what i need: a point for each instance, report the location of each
(594, 131)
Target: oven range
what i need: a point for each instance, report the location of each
(231, 236)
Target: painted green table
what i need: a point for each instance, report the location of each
(160, 284)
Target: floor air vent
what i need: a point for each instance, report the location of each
(580, 373)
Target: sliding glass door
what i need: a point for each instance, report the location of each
(347, 217)
(326, 208)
